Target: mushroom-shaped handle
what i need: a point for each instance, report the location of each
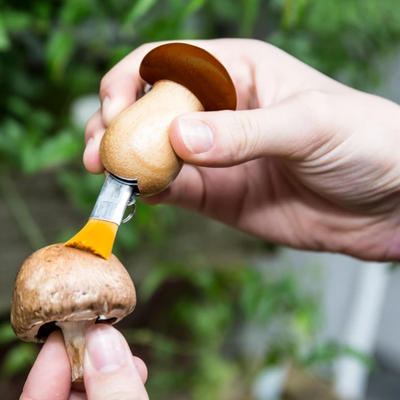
(136, 145)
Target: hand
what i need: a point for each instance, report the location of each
(110, 371)
(306, 161)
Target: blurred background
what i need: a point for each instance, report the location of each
(220, 314)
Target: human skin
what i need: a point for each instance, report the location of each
(305, 162)
(110, 371)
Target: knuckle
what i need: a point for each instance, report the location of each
(91, 125)
(114, 73)
(246, 135)
(105, 84)
(316, 110)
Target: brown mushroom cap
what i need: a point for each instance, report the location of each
(194, 68)
(59, 283)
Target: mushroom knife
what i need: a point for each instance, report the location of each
(135, 149)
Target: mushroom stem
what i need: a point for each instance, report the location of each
(74, 338)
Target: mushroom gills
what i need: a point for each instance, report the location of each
(47, 329)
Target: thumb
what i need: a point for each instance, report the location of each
(110, 371)
(291, 128)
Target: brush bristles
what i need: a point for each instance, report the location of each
(96, 237)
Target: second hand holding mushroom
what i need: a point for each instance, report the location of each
(136, 150)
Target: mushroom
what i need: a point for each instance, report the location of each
(136, 145)
(60, 287)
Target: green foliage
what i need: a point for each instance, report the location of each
(326, 353)
(339, 37)
(18, 357)
(51, 53)
(7, 335)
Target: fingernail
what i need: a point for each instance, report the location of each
(105, 348)
(89, 142)
(106, 102)
(196, 135)
(89, 145)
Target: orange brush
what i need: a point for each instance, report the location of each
(96, 236)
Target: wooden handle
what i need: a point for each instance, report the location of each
(137, 146)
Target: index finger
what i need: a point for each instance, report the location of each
(110, 370)
(120, 87)
(50, 377)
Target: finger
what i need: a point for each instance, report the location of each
(94, 132)
(50, 377)
(94, 126)
(207, 190)
(78, 391)
(187, 190)
(120, 87)
(141, 367)
(91, 156)
(110, 371)
(292, 128)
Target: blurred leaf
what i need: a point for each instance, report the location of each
(138, 10)
(4, 40)
(40, 121)
(74, 11)
(55, 151)
(152, 339)
(153, 281)
(18, 106)
(7, 335)
(292, 12)
(213, 378)
(118, 53)
(59, 51)
(16, 21)
(18, 359)
(11, 137)
(192, 7)
(331, 351)
(251, 8)
(83, 189)
(129, 237)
